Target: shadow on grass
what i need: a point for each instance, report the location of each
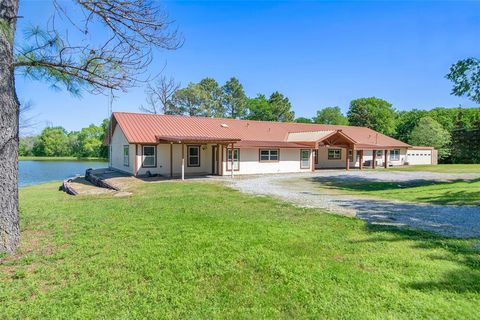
(464, 253)
(443, 193)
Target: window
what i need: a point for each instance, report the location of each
(395, 155)
(315, 154)
(149, 156)
(304, 159)
(269, 155)
(379, 153)
(334, 154)
(350, 155)
(126, 158)
(236, 164)
(193, 156)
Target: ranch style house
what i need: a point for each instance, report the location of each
(176, 146)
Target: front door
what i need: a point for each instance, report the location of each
(215, 160)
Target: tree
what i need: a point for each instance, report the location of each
(330, 115)
(234, 100)
(211, 98)
(104, 149)
(465, 75)
(406, 121)
(373, 113)
(74, 144)
(276, 108)
(303, 120)
(447, 117)
(259, 108)
(117, 60)
(429, 132)
(281, 108)
(90, 141)
(187, 101)
(52, 142)
(159, 95)
(26, 145)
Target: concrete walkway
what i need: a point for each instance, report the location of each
(300, 189)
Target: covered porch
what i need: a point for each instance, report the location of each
(335, 149)
(182, 157)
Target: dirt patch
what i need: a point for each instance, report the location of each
(82, 186)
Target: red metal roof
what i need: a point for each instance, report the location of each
(152, 128)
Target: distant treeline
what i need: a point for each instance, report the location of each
(58, 142)
(450, 130)
(454, 132)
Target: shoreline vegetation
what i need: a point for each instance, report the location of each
(33, 158)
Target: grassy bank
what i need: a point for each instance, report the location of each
(453, 192)
(60, 159)
(198, 250)
(445, 168)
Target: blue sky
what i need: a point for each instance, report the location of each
(316, 53)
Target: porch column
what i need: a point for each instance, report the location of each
(135, 165)
(231, 162)
(183, 162)
(218, 163)
(385, 164)
(361, 159)
(347, 160)
(312, 159)
(171, 160)
(374, 159)
(220, 146)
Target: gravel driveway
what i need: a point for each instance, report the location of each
(447, 220)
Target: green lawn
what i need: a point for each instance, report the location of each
(201, 250)
(60, 159)
(445, 168)
(458, 192)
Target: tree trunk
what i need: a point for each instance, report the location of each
(9, 112)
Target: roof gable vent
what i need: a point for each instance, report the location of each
(224, 125)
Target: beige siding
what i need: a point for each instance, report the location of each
(163, 161)
(116, 158)
(250, 163)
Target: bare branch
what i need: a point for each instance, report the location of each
(26, 121)
(159, 95)
(117, 62)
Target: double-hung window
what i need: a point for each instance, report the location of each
(193, 156)
(269, 155)
(126, 158)
(395, 155)
(236, 156)
(149, 156)
(304, 158)
(334, 154)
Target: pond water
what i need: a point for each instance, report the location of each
(35, 172)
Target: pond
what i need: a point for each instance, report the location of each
(35, 172)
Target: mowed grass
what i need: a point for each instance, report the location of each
(457, 192)
(444, 168)
(201, 250)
